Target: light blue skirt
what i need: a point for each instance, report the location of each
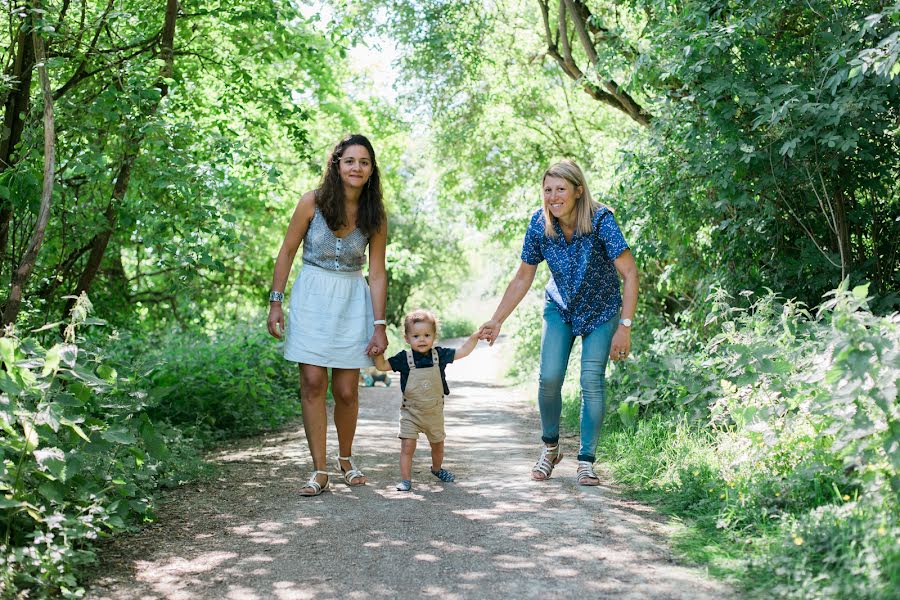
(329, 321)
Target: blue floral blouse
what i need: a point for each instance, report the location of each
(584, 284)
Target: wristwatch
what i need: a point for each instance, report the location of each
(625, 322)
(276, 296)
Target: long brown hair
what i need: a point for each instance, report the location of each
(585, 206)
(330, 194)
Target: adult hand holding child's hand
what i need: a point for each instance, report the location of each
(489, 331)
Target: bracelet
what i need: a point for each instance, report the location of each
(276, 296)
(379, 322)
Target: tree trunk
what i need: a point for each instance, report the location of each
(842, 231)
(20, 276)
(101, 241)
(16, 105)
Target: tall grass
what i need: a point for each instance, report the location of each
(775, 433)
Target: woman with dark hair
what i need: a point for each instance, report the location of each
(336, 319)
(587, 254)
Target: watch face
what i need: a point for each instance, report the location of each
(625, 322)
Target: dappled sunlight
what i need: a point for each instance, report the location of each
(497, 531)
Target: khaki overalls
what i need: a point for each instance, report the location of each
(422, 410)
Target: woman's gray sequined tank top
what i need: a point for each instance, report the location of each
(321, 248)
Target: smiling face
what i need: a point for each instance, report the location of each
(560, 197)
(420, 336)
(355, 166)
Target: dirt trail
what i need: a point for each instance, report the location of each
(494, 534)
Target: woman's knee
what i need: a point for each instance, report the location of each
(313, 383)
(551, 379)
(344, 393)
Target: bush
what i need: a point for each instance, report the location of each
(225, 384)
(455, 327)
(835, 551)
(80, 456)
(777, 431)
(90, 432)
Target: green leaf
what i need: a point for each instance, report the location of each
(53, 460)
(119, 435)
(31, 435)
(860, 292)
(51, 491)
(8, 351)
(74, 427)
(107, 373)
(8, 385)
(8, 503)
(51, 360)
(153, 442)
(48, 326)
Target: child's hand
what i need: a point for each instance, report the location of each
(381, 363)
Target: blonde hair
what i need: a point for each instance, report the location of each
(420, 315)
(585, 206)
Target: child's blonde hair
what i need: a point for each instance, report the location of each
(420, 315)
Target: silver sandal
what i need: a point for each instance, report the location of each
(317, 487)
(546, 462)
(585, 474)
(352, 473)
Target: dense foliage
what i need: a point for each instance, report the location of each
(759, 139)
(788, 444)
(151, 155)
(91, 430)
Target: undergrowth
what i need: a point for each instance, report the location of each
(774, 435)
(93, 423)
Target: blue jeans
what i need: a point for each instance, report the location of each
(556, 345)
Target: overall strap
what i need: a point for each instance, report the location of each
(434, 358)
(409, 360)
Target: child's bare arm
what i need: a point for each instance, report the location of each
(381, 363)
(467, 347)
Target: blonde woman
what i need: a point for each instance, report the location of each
(587, 254)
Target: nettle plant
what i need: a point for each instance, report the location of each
(78, 454)
(776, 375)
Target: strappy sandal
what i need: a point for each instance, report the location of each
(352, 474)
(546, 462)
(585, 474)
(316, 487)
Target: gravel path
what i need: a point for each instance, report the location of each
(494, 534)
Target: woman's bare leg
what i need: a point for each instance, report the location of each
(345, 389)
(313, 388)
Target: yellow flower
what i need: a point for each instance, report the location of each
(882, 531)
(798, 540)
(696, 473)
(846, 497)
(777, 494)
